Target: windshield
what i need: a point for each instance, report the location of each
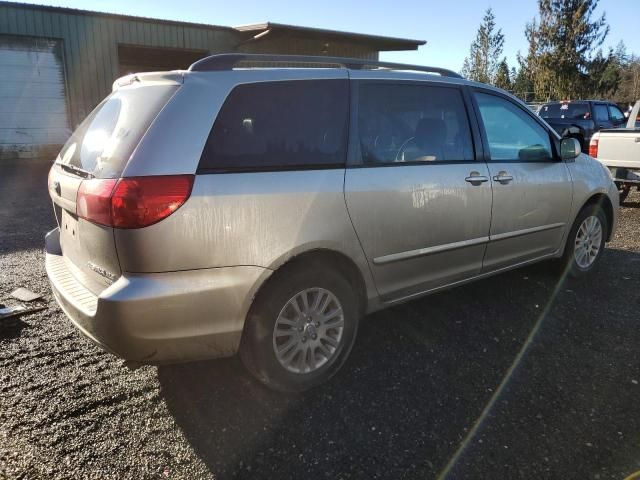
(103, 143)
(573, 111)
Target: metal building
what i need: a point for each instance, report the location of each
(56, 64)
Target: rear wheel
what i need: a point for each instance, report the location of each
(300, 329)
(586, 241)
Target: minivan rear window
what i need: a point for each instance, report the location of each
(280, 125)
(105, 140)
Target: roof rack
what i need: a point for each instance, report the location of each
(227, 61)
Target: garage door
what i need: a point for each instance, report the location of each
(33, 110)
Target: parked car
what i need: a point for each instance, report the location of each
(580, 119)
(619, 150)
(266, 210)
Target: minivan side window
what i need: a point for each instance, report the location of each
(280, 125)
(511, 132)
(412, 123)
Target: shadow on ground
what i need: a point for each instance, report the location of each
(11, 328)
(419, 376)
(26, 213)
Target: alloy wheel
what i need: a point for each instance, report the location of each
(308, 330)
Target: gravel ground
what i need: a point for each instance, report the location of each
(419, 377)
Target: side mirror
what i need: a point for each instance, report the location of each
(570, 148)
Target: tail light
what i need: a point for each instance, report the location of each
(93, 201)
(593, 145)
(133, 202)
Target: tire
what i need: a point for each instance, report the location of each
(580, 264)
(259, 344)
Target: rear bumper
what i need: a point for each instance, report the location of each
(624, 174)
(159, 317)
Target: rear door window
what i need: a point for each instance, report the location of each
(601, 113)
(412, 123)
(280, 125)
(616, 114)
(105, 140)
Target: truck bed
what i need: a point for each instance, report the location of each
(620, 148)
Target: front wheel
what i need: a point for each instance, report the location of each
(586, 241)
(300, 329)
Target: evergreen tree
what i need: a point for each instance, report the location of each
(523, 80)
(503, 76)
(628, 90)
(604, 75)
(484, 55)
(562, 42)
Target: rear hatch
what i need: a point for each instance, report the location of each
(93, 159)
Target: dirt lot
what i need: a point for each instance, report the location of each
(419, 377)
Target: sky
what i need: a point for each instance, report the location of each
(449, 27)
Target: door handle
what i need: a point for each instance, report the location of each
(476, 179)
(503, 178)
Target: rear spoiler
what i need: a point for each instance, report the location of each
(153, 78)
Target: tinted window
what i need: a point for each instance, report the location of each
(103, 143)
(280, 125)
(601, 113)
(412, 123)
(512, 133)
(616, 114)
(567, 110)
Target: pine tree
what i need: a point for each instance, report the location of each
(628, 90)
(604, 75)
(562, 44)
(523, 80)
(484, 55)
(503, 77)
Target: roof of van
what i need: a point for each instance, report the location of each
(229, 61)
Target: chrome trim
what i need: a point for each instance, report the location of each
(470, 279)
(476, 179)
(395, 257)
(526, 231)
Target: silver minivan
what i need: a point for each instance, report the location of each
(239, 207)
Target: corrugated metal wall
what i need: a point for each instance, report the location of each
(302, 46)
(89, 44)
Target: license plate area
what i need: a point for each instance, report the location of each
(69, 225)
(89, 251)
(69, 234)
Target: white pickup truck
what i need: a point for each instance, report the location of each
(619, 149)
